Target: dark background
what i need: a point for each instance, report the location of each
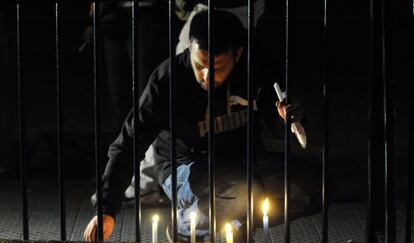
(348, 75)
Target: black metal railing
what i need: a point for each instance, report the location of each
(96, 95)
(410, 150)
(61, 164)
(250, 120)
(287, 130)
(211, 123)
(173, 141)
(381, 157)
(22, 130)
(325, 149)
(135, 97)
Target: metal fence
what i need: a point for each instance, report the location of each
(381, 157)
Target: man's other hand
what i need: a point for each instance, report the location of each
(90, 233)
(294, 110)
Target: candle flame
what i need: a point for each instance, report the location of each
(228, 227)
(193, 216)
(155, 218)
(265, 206)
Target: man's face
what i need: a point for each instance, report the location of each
(223, 65)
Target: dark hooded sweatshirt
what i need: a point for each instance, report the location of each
(191, 125)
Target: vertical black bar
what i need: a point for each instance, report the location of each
(22, 129)
(375, 217)
(173, 152)
(61, 165)
(369, 228)
(389, 142)
(96, 121)
(250, 120)
(287, 133)
(410, 173)
(212, 115)
(135, 102)
(410, 154)
(325, 151)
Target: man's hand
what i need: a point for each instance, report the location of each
(90, 233)
(294, 110)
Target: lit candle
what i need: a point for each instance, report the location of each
(193, 217)
(229, 234)
(266, 220)
(155, 220)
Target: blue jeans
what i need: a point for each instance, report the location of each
(193, 196)
(231, 191)
(187, 202)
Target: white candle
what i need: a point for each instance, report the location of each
(155, 220)
(266, 220)
(229, 234)
(281, 95)
(296, 127)
(193, 217)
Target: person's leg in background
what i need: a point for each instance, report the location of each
(118, 79)
(152, 41)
